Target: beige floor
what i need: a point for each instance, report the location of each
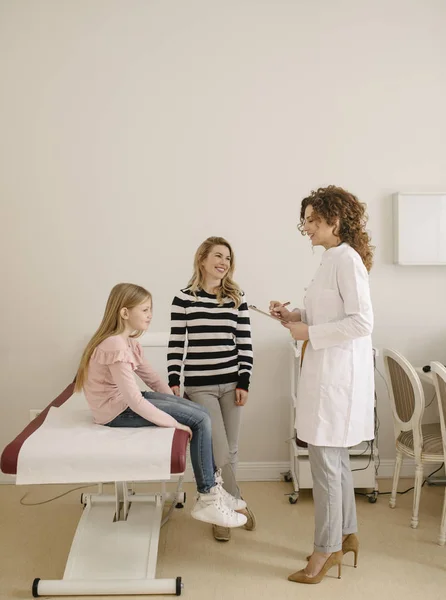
(395, 561)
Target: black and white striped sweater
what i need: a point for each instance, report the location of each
(219, 347)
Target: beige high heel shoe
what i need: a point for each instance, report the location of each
(350, 544)
(333, 560)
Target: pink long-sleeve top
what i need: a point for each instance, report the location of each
(110, 386)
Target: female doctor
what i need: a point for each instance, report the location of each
(335, 408)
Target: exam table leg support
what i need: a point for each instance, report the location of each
(115, 547)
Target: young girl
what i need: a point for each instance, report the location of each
(212, 313)
(106, 376)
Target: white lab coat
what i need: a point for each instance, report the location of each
(335, 403)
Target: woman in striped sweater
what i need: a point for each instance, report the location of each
(212, 315)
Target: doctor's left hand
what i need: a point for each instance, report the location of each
(241, 397)
(299, 330)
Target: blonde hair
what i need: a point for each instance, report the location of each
(228, 287)
(123, 295)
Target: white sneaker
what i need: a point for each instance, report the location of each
(230, 501)
(211, 508)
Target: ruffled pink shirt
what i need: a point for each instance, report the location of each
(110, 386)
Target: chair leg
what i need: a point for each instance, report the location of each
(442, 536)
(416, 496)
(396, 477)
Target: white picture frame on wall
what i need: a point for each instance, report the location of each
(419, 228)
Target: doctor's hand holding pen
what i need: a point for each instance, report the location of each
(278, 310)
(291, 320)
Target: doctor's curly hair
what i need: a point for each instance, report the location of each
(333, 203)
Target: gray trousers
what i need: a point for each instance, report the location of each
(333, 495)
(226, 420)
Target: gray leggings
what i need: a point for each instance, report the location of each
(225, 418)
(333, 495)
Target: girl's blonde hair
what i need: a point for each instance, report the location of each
(228, 287)
(123, 295)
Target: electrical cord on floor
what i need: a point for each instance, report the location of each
(82, 487)
(405, 491)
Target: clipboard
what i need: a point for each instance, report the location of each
(262, 312)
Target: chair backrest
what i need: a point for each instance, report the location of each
(439, 374)
(406, 395)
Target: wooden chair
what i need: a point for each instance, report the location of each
(439, 374)
(423, 443)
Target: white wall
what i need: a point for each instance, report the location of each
(131, 130)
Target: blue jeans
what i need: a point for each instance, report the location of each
(187, 413)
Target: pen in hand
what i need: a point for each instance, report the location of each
(276, 313)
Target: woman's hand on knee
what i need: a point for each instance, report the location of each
(175, 390)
